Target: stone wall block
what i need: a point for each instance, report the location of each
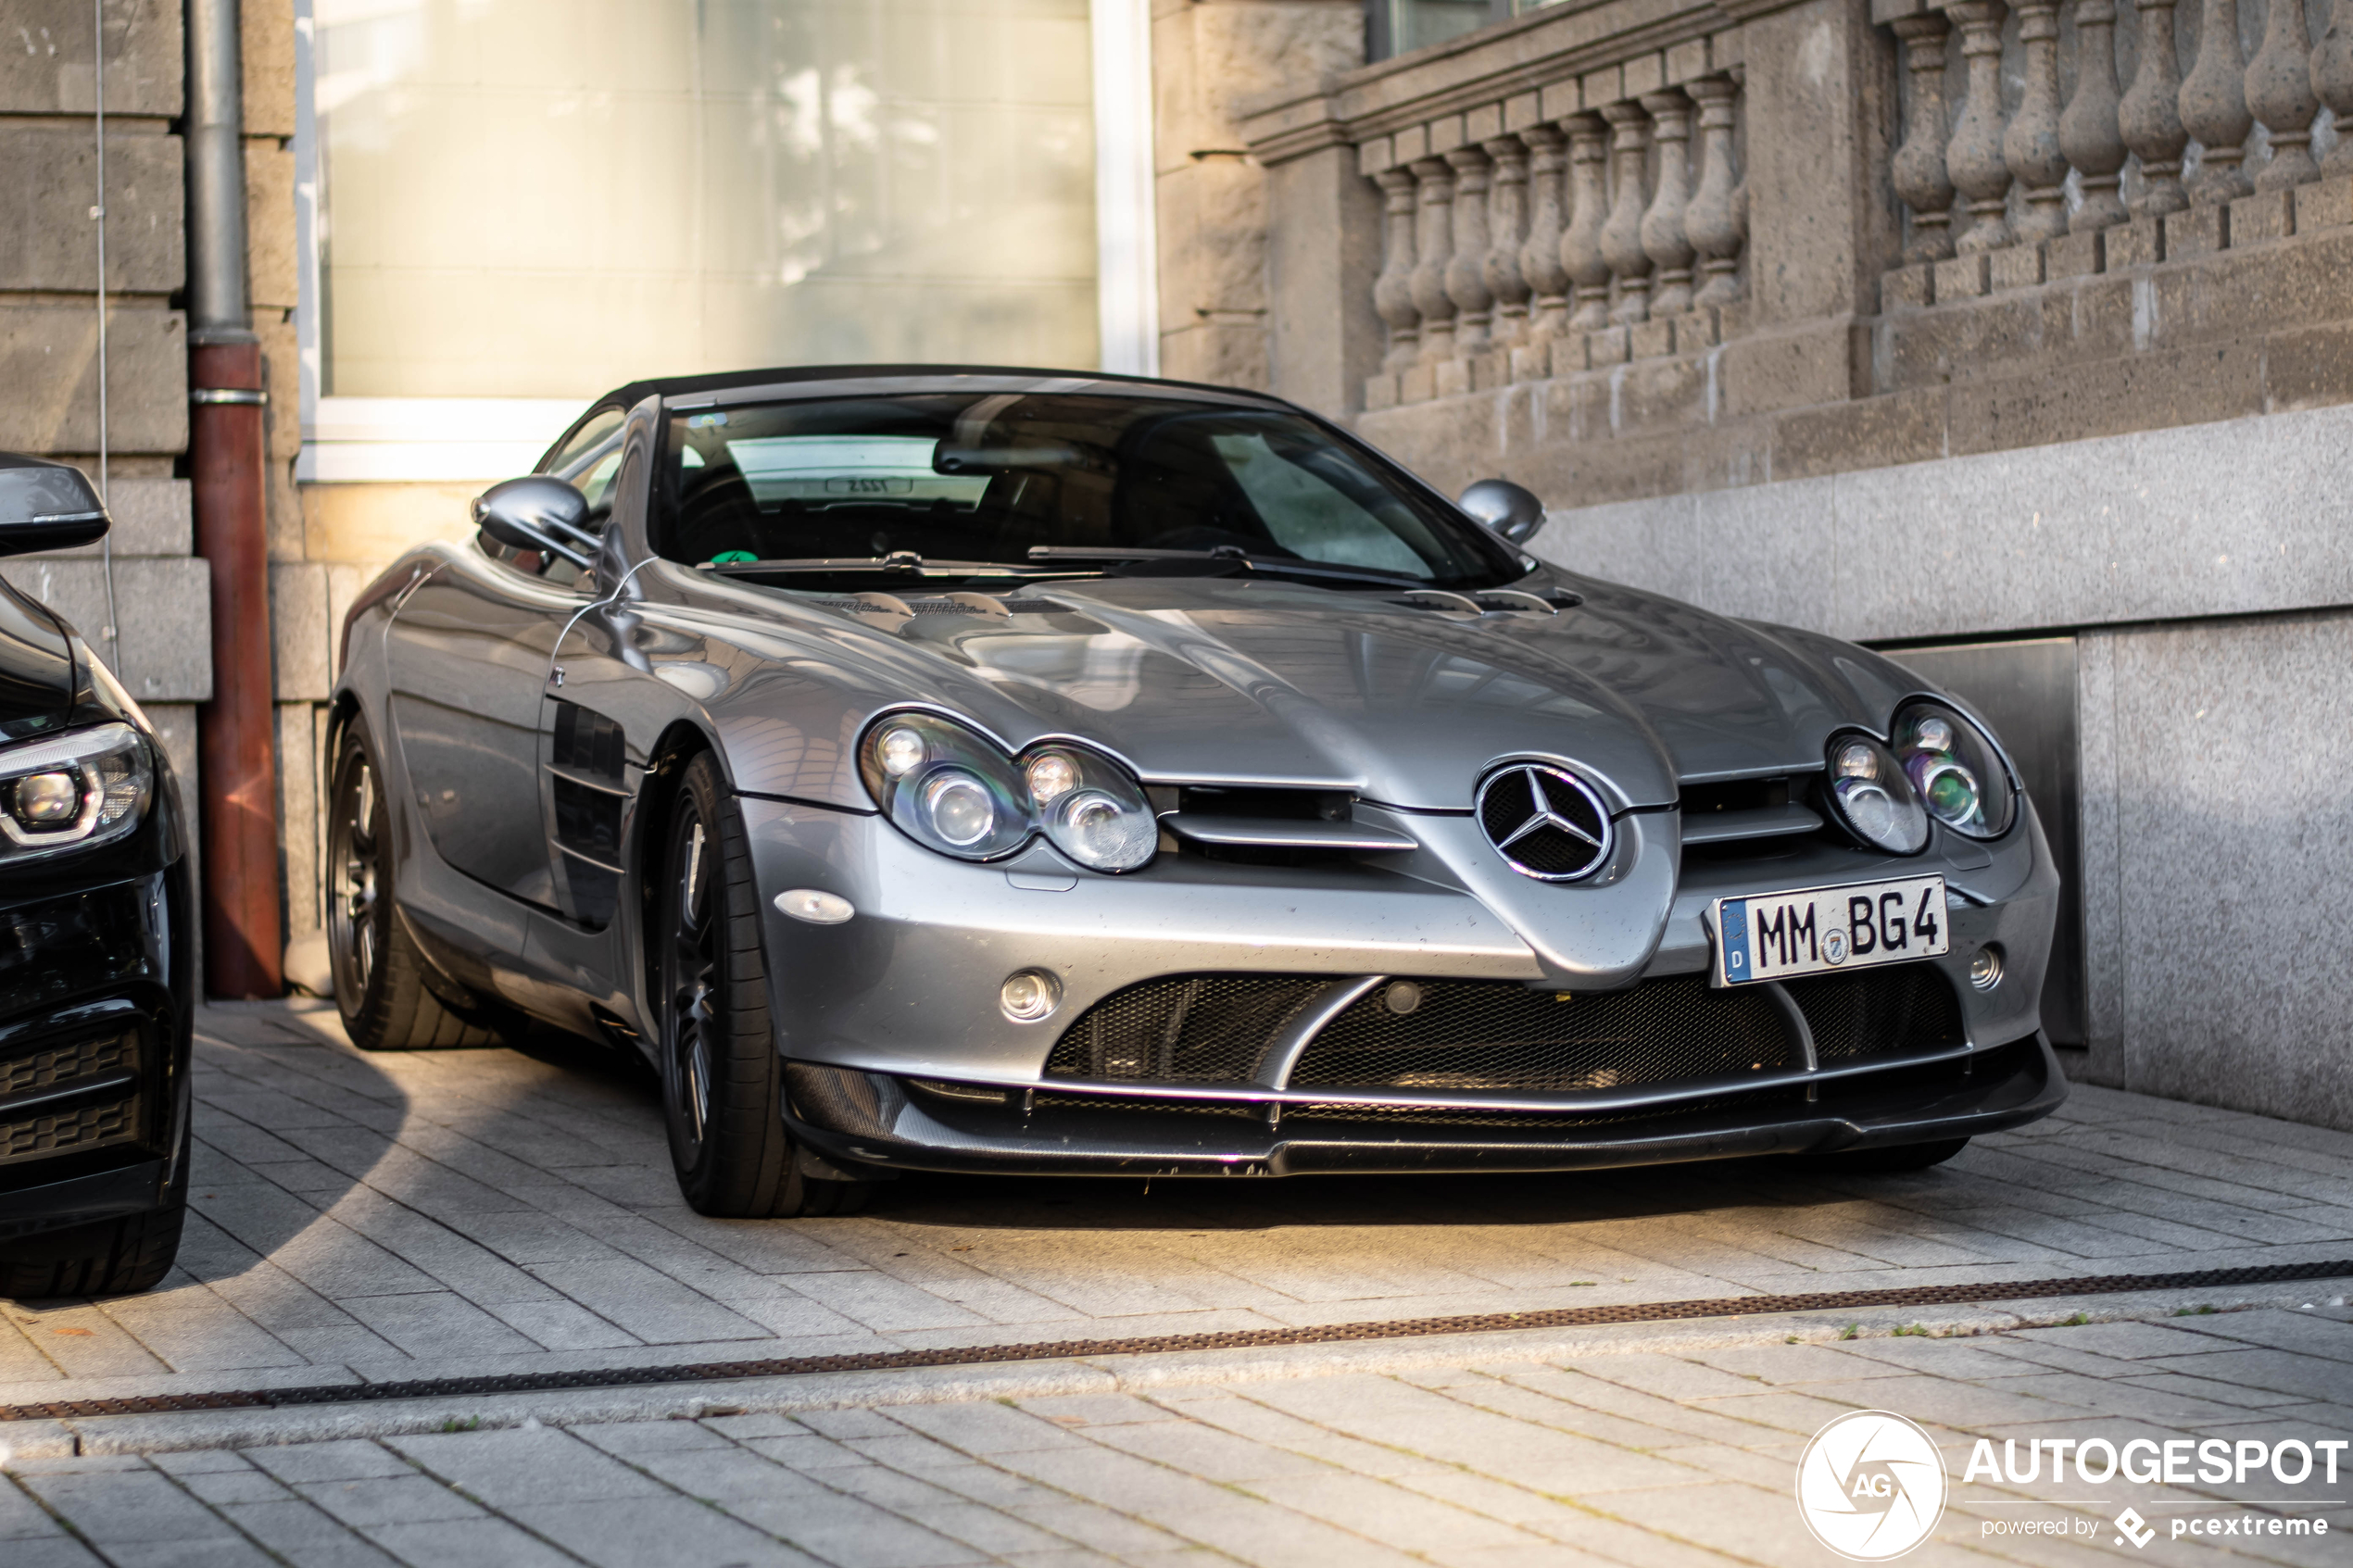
(164, 653)
(2327, 204)
(2269, 289)
(1817, 220)
(2200, 231)
(1766, 372)
(273, 270)
(268, 52)
(49, 353)
(48, 181)
(2308, 368)
(1902, 427)
(302, 636)
(2107, 397)
(48, 66)
(2266, 215)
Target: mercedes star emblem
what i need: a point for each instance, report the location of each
(1545, 821)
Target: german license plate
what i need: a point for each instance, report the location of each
(1821, 930)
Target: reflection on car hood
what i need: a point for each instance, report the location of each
(37, 683)
(1226, 678)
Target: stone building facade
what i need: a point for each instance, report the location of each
(2015, 341)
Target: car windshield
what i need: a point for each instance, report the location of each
(1018, 484)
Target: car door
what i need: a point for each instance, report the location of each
(467, 656)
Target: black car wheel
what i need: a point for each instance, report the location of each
(722, 1079)
(378, 973)
(111, 1257)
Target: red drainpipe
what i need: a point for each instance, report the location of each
(236, 738)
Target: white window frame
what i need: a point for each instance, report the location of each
(426, 440)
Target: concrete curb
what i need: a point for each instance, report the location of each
(1143, 1373)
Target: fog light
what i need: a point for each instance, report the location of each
(1030, 994)
(1986, 967)
(816, 908)
(44, 798)
(1402, 997)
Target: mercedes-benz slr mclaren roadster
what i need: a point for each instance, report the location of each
(999, 770)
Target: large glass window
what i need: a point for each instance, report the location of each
(547, 198)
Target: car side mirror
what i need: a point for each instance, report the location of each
(537, 512)
(45, 506)
(1510, 510)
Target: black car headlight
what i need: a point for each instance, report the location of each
(951, 789)
(1953, 766)
(72, 791)
(1873, 796)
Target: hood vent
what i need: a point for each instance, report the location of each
(1491, 601)
(1745, 816)
(873, 603)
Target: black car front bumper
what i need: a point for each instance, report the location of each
(855, 1119)
(95, 1032)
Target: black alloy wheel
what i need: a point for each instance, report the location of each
(379, 973)
(722, 1080)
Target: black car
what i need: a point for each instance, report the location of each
(96, 987)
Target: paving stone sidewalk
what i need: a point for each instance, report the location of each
(440, 1213)
(1643, 1460)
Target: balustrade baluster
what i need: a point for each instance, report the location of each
(1664, 239)
(1507, 220)
(2214, 106)
(1622, 235)
(1466, 269)
(2279, 93)
(2150, 115)
(1539, 255)
(1393, 290)
(1433, 242)
(2030, 146)
(2088, 133)
(1581, 256)
(2333, 84)
(1918, 168)
(1973, 158)
(1715, 221)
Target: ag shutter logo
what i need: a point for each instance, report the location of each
(1870, 1485)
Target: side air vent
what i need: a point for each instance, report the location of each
(1491, 601)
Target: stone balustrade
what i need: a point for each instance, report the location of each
(2005, 185)
(1582, 212)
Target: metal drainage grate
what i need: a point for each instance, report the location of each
(1237, 1339)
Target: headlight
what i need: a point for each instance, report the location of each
(86, 787)
(1092, 810)
(1959, 776)
(953, 790)
(1874, 798)
(946, 787)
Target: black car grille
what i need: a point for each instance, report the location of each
(1500, 1036)
(1903, 1009)
(1185, 1029)
(1496, 1034)
(1391, 1116)
(63, 1065)
(61, 1132)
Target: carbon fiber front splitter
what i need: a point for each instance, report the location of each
(853, 1120)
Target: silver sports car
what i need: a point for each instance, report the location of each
(1006, 771)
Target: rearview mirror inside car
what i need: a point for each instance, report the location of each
(45, 506)
(537, 512)
(1510, 510)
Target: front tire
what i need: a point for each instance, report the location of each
(379, 973)
(722, 1080)
(112, 1257)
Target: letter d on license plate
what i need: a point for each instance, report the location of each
(1817, 930)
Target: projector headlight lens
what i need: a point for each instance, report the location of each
(83, 787)
(1873, 797)
(1953, 764)
(954, 790)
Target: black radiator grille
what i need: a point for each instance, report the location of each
(1185, 1029)
(1497, 1035)
(1903, 1009)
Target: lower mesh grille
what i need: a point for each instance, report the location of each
(1147, 1106)
(1187, 1029)
(64, 1064)
(1495, 1034)
(1903, 1009)
(82, 1127)
(1439, 1116)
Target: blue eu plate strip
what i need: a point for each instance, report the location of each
(1732, 936)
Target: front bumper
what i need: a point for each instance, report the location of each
(876, 1120)
(95, 1032)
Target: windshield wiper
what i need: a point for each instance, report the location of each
(1272, 565)
(898, 563)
